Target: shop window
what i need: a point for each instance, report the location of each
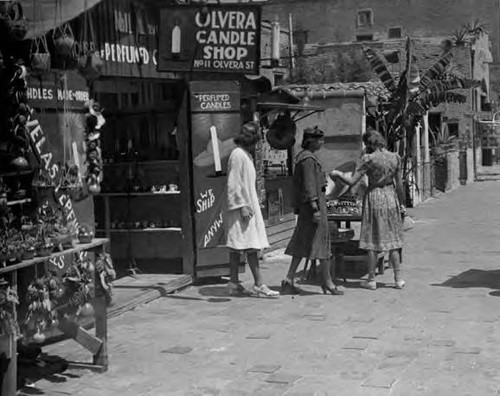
(394, 32)
(364, 37)
(453, 129)
(365, 18)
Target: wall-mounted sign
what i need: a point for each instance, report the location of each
(215, 38)
(215, 101)
(50, 91)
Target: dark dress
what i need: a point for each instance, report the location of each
(310, 240)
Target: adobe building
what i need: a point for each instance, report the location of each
(337, 21)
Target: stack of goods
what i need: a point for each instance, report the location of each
(346, 204)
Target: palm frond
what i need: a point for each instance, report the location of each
(436, 69)
(378, 65)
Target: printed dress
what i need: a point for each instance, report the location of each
(381, 224)
(310, 240)
(241, 192)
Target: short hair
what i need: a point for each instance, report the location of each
(248, 136)
(374, 139)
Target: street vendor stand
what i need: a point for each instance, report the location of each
(97, 344)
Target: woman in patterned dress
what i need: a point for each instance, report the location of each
(381, 224)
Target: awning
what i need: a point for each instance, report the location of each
(280, 99)
(45, 15)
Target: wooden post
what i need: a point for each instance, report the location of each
(290, 45)
(101, 322)
(8, 345)
(418, 154)
(426, 138)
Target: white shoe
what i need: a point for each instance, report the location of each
(400, 284)
(263, 290)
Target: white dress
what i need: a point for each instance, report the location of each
(241, 192)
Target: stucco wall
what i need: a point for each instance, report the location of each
(335, 20)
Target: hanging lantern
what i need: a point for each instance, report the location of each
(275, 44)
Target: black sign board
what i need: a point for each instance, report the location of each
(214, 38)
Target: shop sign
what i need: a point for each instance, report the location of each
(216, 38)
(214, 123)
(125, 33)
(215, 102)
(47, 91)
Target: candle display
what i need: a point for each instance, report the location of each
(215, 149)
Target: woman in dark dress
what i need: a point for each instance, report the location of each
(311, 238)
(381, 223)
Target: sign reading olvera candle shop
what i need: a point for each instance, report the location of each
(217, 38)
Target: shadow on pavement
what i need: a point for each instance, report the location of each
(473, 278)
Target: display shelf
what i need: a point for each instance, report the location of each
(19, 202)
(11, 173)
(137, 194)
(152, 162)
(96, 242)
(138, 230)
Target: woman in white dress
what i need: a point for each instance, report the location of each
(245, 228)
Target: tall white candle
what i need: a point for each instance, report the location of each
(275, 44)
(215, 148)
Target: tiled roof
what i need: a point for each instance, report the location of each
(372, 89)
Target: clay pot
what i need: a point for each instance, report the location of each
(39, 337)
(64, 44)
(86, 310)
(20, 162)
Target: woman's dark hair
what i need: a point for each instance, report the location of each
(248, 136)
(306, 142)
(374, 140)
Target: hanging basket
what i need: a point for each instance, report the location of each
(64, 40)
(40, 56)
(12, 19)
(90, 65)
(281, 134)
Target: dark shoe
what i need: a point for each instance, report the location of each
(333, 290)
(289, 288)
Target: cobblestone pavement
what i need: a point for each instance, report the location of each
(438, 336)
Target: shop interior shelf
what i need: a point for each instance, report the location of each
(19, 202)
(151, 162)
(169, 229)
(137, 194)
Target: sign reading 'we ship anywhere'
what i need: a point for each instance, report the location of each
(218, 38)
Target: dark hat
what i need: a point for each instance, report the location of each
(313, 133)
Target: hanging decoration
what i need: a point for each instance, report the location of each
(94, 122)
(18, 116)
(41, 299)
(90, 63)
(64, 40)
(8, 302)
(40, 55)
(12, 20)
(281, 133)
(78, 282)
(107, 274)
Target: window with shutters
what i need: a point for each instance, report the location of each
(394, 32)
(365, 18)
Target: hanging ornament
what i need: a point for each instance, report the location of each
(94, 121)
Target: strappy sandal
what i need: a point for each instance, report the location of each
(265, 291)
(289, 288)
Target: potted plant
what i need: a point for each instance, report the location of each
(28, 247)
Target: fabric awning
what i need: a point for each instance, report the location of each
(45, 15)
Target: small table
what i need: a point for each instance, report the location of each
(97, 344)
(339, 245)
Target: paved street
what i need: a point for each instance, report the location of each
(438, 336)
